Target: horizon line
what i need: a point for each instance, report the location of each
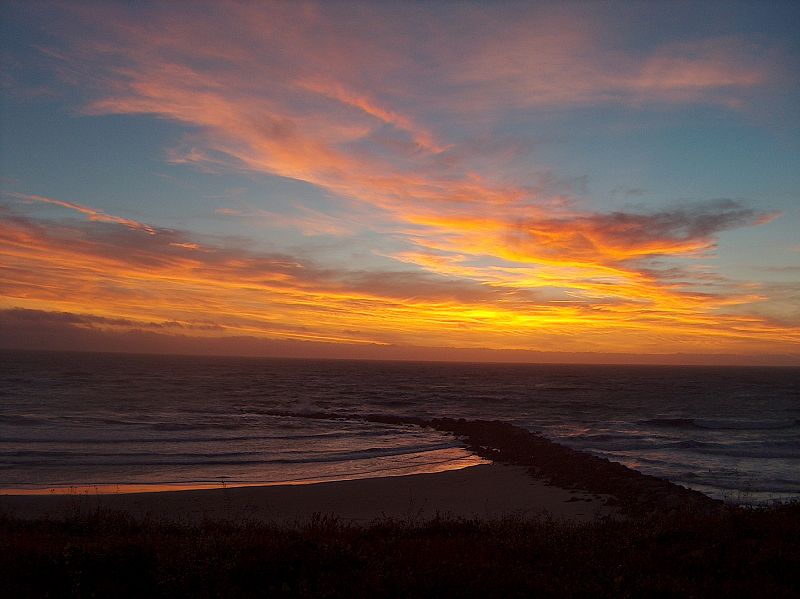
(476, 362)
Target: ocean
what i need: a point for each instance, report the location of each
(78, 422)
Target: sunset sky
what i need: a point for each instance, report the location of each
(577, 181)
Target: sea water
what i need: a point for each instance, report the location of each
(127, 422)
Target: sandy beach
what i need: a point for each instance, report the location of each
(485, 491)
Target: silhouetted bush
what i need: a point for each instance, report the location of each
(727, 553)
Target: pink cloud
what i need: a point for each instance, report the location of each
(342, 100)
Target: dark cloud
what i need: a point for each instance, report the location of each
(47, 333)
(24, 317)
(684, 223)
(619, 236)
(695, 222)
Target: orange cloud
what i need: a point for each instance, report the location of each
(119, 278)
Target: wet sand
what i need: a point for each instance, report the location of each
(485, 491)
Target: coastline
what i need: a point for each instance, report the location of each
(487, 491)
(528, 476)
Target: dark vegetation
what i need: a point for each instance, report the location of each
(728, 553)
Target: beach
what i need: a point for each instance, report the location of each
(489, 491)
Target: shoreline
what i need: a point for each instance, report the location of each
(487, 491)
(528, 475)
(135, 488)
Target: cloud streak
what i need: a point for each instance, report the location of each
(92, 213)
(135, 279)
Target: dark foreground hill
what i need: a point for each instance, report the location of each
(725, 553)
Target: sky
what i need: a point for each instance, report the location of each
(512, 181)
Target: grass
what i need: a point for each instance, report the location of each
(730, 553)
